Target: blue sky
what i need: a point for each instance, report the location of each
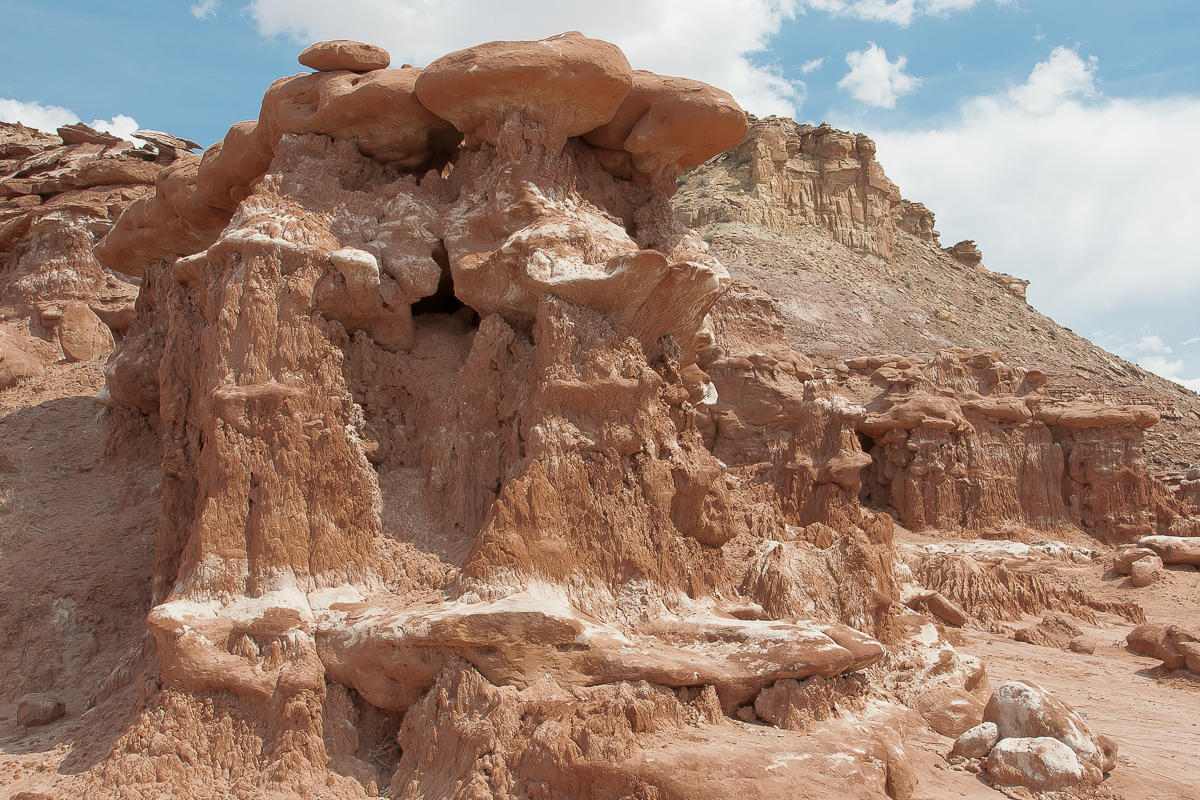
(1061, 135)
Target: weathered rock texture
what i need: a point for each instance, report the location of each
(58, 196)
(791, 174)
(481, 478)
(428, 352)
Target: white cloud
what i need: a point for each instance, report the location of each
(1171, 370)
(120, 125)
(36, 115)
(897, 12)
(874, 80)
(205, 9)
(811, 66)
(1192, 340)
(1062, 77)
(50, 118)
(1092, 199)
(709, 40)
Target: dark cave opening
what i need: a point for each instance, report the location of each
(444, 300)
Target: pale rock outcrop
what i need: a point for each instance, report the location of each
(791, 173)
(1174, 549)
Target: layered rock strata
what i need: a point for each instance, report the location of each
(793, 174)
(58, 196)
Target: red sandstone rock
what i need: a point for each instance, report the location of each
(568, 84)
(16, 366)
(39, 709)
(951, 712)
(671, 124)
(338, 54)
(1055, 630)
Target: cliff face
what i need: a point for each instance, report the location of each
(787, 174)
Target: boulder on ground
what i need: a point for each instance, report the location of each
(16, 366)
(1154, 642)
(1082, 644)
(1041, 763)
(1055, 630)
(1123, 560)
(940, 606)
(977, 742)
(1023, 710)
(82, 335)
(1146, 571)
(39, 709)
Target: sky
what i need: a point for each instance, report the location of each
(1063, 136)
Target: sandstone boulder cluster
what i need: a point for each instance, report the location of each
(1030, 738)
(1175, 646)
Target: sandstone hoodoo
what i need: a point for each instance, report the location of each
(475, 474)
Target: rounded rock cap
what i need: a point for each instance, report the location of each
(672, 123)
(339, 54)
(568, 83)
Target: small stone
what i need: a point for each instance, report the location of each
(338, 54)
(1082, 644)
(39, 709)
(1146, 571)
(977, 742)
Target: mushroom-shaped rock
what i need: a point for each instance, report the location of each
(672, 124)
(338, 54)
(569, 84)
(173, 221)
(378, 110)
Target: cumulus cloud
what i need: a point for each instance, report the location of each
(50, 118)
(205, 9)
(36, 115)
(897, 12)
(1171, 370)
(874, 80)
(811, 66)
(704, 39)
(1091, 198)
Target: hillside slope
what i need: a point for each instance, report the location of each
(807, 215)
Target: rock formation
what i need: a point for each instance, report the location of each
(58, 196)
(480, 476)
(789, 174)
